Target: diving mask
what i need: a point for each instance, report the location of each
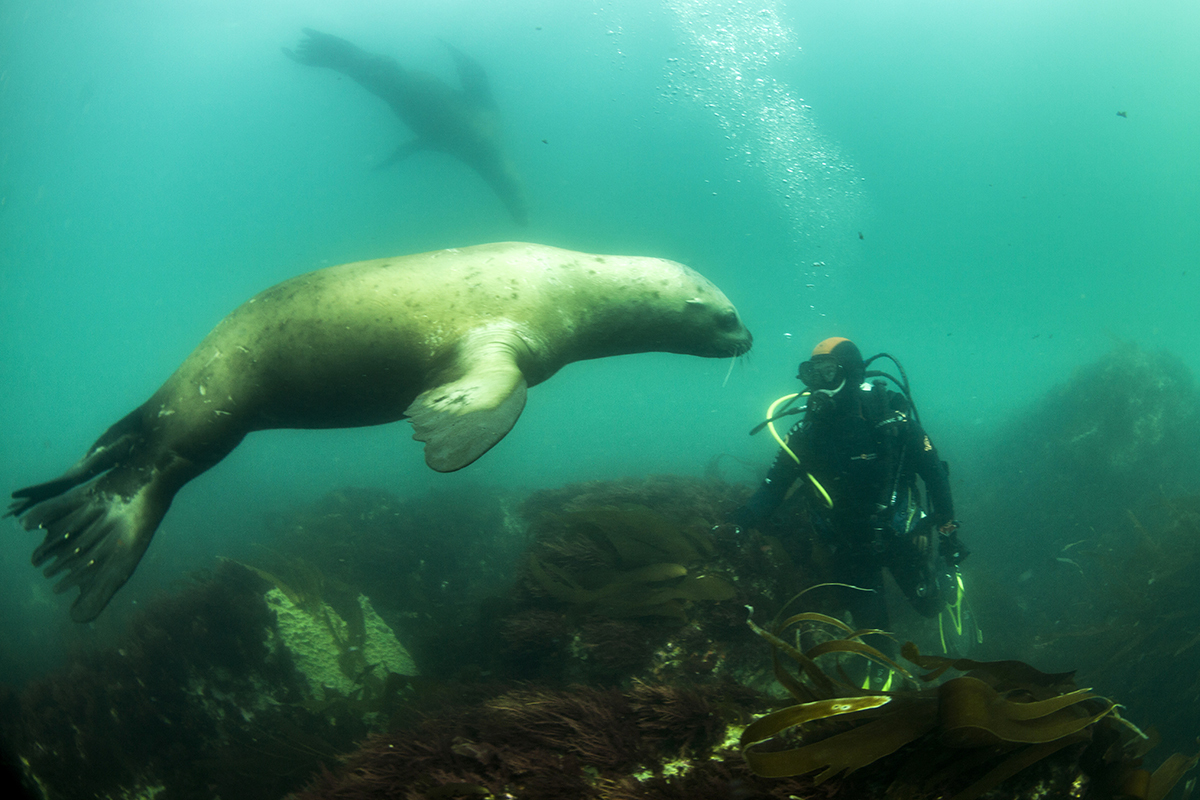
(822, 373)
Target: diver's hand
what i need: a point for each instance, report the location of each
(744, 517)
(922, 537)
(950, 545)
(323, 50)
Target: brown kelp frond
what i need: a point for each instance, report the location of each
(835, 754)
(812, 682)
(813, 615)
(857, 648)
(1163, 779)
(825, 698)
(623, 562)
(965, 736)
(1015, 673)
(1010, 766)
(973, 714)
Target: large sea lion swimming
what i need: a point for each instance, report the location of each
(464, 124)
(450, 339)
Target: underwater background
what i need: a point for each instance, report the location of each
(1000, 194)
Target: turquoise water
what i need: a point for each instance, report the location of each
(949, 182)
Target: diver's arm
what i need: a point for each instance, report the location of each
(379, 75)
(773, 490)
(933, 472)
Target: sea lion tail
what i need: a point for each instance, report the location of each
(96, 532)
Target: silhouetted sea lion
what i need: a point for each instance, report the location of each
(465, 124)
(450, 339)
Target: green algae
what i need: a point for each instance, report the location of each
(320, 640)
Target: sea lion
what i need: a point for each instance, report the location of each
(465, 124)
(450, 339)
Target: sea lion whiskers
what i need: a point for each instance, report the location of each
(729, 372)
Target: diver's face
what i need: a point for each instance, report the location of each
(822, 373)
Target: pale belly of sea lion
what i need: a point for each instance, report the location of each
(451, 339)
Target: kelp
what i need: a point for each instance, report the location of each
(980, 728)
(624, 562)
(192, 698)
(677, 498)
(652, 590)
(305, 584)
(637, 578)
(430, 562)
(1134, 621)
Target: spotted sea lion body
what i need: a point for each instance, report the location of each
(450, 339)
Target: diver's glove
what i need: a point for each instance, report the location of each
(951, 546)
(744, 517)
(756, 509)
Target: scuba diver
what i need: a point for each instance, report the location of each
(857, 453)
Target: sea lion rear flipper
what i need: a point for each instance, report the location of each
(116, 444)
(98, 537)
(461, 420)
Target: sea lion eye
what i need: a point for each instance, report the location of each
(727, 321)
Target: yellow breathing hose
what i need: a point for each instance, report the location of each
(771, 424)
(771, 427)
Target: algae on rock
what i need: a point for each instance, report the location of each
(335, 653)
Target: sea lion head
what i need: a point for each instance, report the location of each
(711, 327)
(701, 321)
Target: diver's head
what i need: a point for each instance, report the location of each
(834, 364)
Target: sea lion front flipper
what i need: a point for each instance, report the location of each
(474, 80)
(325, 50)
(461, 420)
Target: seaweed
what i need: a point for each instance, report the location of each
(967, 734)
(636, 578)
(1133, 617)
(669, 695)
(1118, 436)
(535, 743)
(197, 697)
(193, 674)
(625, 561)
(429, 564)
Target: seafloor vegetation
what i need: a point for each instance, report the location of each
(594, 641)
